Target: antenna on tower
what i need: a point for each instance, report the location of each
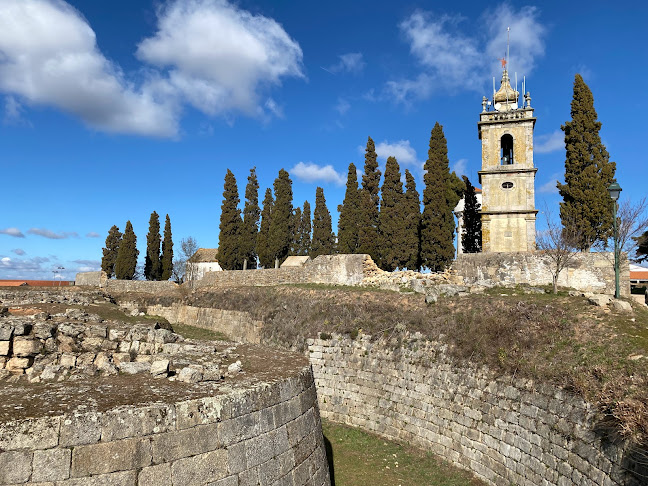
(508, 43)
(494, 89)
(524, 90)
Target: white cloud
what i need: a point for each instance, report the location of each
(51, 234)
(18, 251)
(272, 106)
(15, 232)
(310, 172)
(208, 53)
(402, 150)
(453, 60)
(91, 263)
(550, 187)
(92, 234)
(14, 112)
(459, 167)
(50, 56)
(342, 106)
(551, 142)
(351, 62)
(218, 56)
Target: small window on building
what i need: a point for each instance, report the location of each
(507, 149)
(507, 185)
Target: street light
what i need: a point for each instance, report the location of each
(615, 192)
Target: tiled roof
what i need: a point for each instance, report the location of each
(204, 255)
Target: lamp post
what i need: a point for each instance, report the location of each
(615, 191)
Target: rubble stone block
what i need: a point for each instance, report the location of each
(51, 465)
(25, 347)
(15, 467)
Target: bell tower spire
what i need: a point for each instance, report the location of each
(508, 174)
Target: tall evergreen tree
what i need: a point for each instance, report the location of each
(263, 250)
(586, 208)
(294, 230)
(127, 255)
(471, 238)
(109, 258)
(391, 217)
(229, 254)
(250, 228)
(304, 231)
(437, 222)
(457, 190)
(642, 247)
(152, 268)
(368, 237)
(166, 260)
(323, 239)
(411, 258)
(348, 224)
(280, 235)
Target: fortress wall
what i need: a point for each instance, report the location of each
(589, 272)
(325, 269)
(504, 430)
(270, 434)
(113, 285)
(236, 325)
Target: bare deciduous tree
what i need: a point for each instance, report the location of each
(632, 221)
(559, 246)
(182, 272)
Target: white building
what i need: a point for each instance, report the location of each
(203, 261)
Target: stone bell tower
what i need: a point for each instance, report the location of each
(507, 176)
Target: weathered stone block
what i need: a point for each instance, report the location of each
(15, 467)
(51, 465)
(6, 331)
(159, 475)
(128, 422)
(25, 347)
(201, 469)
(80, 429)
(184, 443)
(19, 364)
(133, 368)
(107, 457)
(5, 346)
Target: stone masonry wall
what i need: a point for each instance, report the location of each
(267, 435)
(325, 269)
(236, 325)
(590, 272)
(114, 285)
(504, 430)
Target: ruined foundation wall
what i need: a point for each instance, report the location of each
(589, 272)
(270, 434)
(504, 430)
(236, 325)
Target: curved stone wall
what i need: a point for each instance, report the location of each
(505, 430)
(87, 402)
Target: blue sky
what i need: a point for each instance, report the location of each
(111, 110)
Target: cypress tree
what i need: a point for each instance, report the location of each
(126, 262)
(304, 231)
(323, 238)
(642, 247)
(229, 255)
(437, 222)
(586, 208)
(368, 204)
(457, 190)
(471, 238)
(109, 258)
(279, 235)
(294, 230)
(250, 227)
(167, 250)
(349, 213)
(411, 257)
(152, 268)
(262, 249)
(391, 217)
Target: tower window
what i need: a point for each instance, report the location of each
(507, 185)
(507, 149)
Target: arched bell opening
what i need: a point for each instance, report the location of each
(507, 149)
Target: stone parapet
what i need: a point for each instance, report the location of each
(588, 272)
(504, 430)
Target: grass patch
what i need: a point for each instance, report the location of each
(357, 458)
(193, 332)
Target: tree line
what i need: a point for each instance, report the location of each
(120, 253)
(385, 222)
